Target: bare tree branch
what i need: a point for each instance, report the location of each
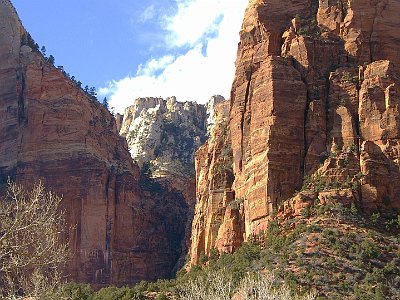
(32, 251)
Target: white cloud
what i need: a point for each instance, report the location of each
(154, 65)
(207, 68)
(193, 20)
(148, 14)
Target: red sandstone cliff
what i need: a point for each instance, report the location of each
(50, 130)
(218, 218)
(314, 103)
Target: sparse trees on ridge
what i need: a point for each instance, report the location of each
(43, 50)
(105, 103)
(27, 39)
(51, 59)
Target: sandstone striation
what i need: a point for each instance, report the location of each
(314, 106)
(217, 218)
(51, 131)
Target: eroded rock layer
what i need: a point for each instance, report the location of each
(51, 131)
(163, 136)
(314, 105)
(217, 219)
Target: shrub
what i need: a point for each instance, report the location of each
(346, 77)
(203, 258)
(213, 285)
(162, 297)
(114, 293)
(235, 204)
(74, 291)
(374, 218)
(342, 102)
(353, 148)
(263, 286)
(302, 31)
(214, 254)
(353, 208)
(368, 249)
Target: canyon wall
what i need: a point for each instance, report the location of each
(217, 221)
(314, 105)
(50, 130)
(163, 136)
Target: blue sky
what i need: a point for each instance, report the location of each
(129, 49)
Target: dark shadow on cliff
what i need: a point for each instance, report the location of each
(174, 216)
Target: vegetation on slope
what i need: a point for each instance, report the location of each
(332, 250)
(337, 251)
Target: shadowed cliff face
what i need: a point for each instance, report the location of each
(50, 130)
(163, 136)
(314, 104)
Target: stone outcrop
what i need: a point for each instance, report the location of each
(118, 120)
(212, 112)
(50, 130)
(164, 130)
(164, 134)
(217, 218)
(314, 106)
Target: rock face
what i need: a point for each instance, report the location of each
(50, 130)
(164, 135)
(314, 104)
(212, 112)
(163, 131)
(217, 220)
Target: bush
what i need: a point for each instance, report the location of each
(219, 285)
(235, 204)
(114, 293)
(263, 286)
(346, 77)
(213, 285)
(374, 218)
(162, 297)
(368, 249)
(74, 291)
(203, 258)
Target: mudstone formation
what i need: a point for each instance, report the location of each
(50, 130)
(314, 106)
